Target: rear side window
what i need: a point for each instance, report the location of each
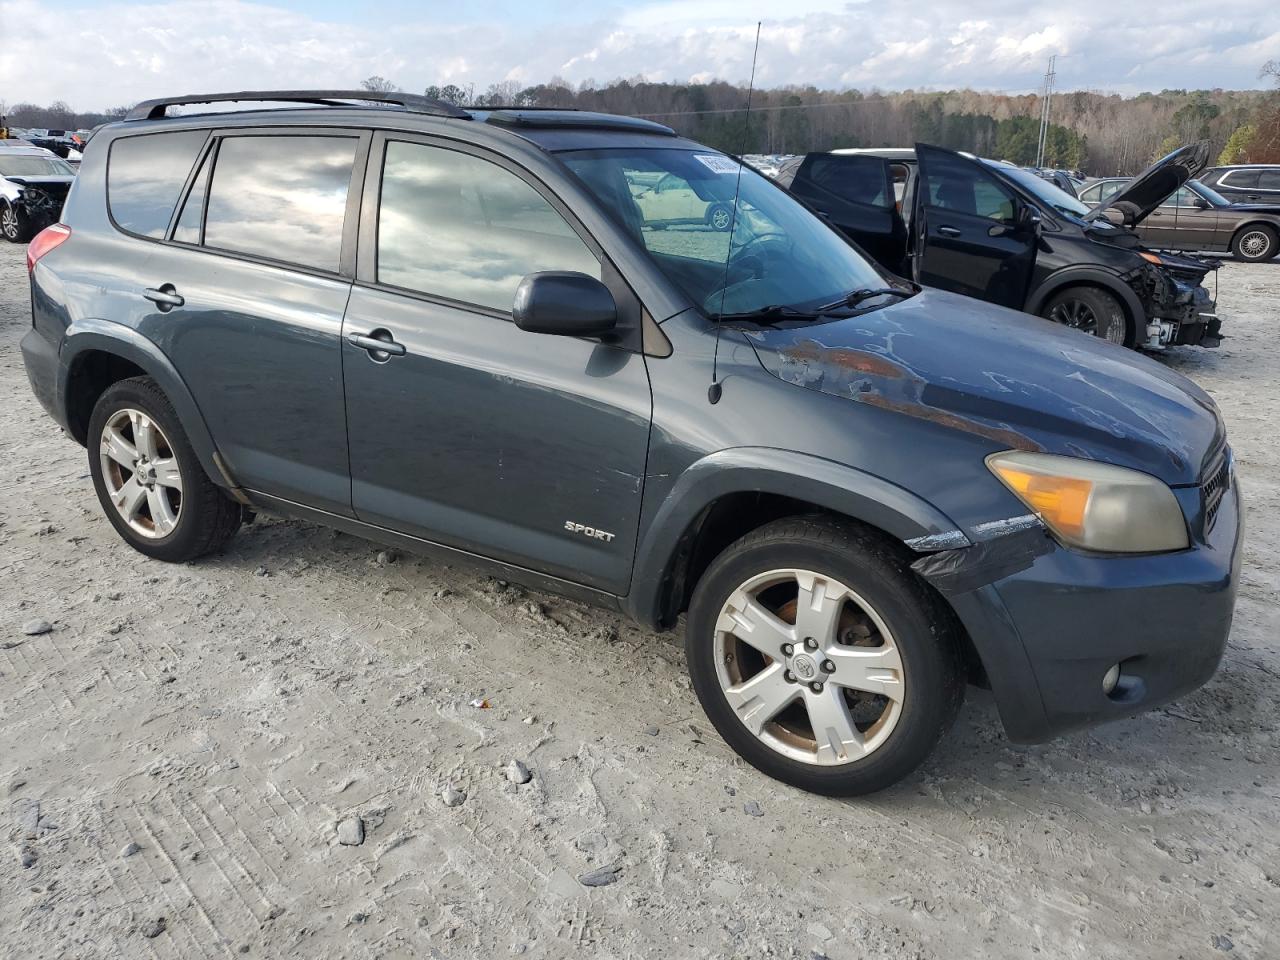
(283, 198)
(857, 179)
(453, 225)
(146, 174)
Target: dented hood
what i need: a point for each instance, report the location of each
(1156, 184)
(1016, 380)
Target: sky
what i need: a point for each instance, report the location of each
(97, 54)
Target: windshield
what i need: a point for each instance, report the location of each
(34, 167)
(680, 205)
(1042, 190)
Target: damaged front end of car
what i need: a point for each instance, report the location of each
(1179, 308)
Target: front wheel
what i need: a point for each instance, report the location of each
(720, 217)
(820, 658)
(1255, 244)
(148, 479)
(1091, 311)
(14, 224)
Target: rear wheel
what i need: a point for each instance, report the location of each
(820, 658)
(148, 479)
(14, 225)
(1255, 242)
(1091, 311)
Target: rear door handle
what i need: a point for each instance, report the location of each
(378, 343)
(949, 231)
(164, 296)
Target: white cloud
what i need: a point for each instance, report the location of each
(99, 56)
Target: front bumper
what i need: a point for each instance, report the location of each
(1048, 634)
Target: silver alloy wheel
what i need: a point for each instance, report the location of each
(141, 473)
(720, 219)
(1255, 245)
(809, 667)
(9, 222)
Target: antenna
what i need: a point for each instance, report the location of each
(713, 391)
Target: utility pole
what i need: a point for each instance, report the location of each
(1046, 99)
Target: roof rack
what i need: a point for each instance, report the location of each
(551, 117)
(156, 109)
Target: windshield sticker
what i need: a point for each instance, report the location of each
(717, 164)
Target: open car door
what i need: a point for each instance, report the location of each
(972, 234)
(855, 194)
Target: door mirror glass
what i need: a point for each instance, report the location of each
(1028, 220)
(564, 303)
(1200, 203)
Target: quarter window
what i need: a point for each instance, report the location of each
(283, 198)
(457, 226)
(145, 174)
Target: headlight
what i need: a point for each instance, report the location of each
(1094, 506)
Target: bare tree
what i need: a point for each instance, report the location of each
(377, 84)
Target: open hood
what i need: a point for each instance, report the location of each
(1157, 183)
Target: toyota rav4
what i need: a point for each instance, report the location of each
(459, 330)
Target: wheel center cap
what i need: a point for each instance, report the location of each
(803, 666)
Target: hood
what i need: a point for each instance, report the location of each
(1154, 185)
(1270, 208)
(1016, 380)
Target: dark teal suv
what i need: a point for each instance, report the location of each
(477, 332)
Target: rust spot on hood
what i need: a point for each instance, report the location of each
(881, 381)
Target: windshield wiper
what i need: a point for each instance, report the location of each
(858, 296)
(773, 312)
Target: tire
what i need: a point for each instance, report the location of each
(175, 523)
(915, 665)
(14, 224)
(1091, 311)
(720, 217)
(1255, 242)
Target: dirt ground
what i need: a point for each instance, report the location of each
(177, 754)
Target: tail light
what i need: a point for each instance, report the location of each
(44, 241)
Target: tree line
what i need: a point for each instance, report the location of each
(1098, 133)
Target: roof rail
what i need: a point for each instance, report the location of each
(156, 109)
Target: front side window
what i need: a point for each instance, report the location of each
(771, 251)
(281, 197)
(145, 175)
(954, 183)
(1269, 179)
(457, 226)
(1241, 178)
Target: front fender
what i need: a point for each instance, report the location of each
(1088, 276)
(89, 335)
(825, 483)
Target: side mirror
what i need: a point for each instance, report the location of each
(1028, 220)
(1200, 203)
(1114, 217)
(564, 303)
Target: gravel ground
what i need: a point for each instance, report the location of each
(276, 752)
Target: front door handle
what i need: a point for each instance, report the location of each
(379, 343)
(949, 231)
(165, 296)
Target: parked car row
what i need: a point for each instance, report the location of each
(33, 184)
(999, 233)
(488, 333)
(1196, 217)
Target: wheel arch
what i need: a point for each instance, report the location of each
(1135, 313)
(726, 494)
(97, 353)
